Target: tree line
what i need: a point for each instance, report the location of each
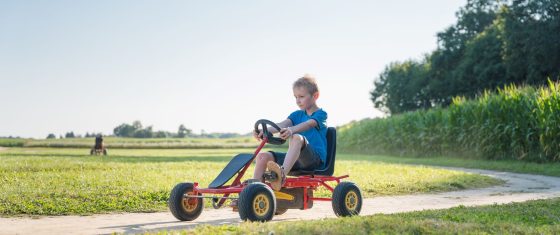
(137, 130)
(71, 134)
(494, 43)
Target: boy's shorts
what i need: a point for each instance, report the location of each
(308, 159)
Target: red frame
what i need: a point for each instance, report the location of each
(306, 182)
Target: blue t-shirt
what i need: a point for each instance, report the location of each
(317, 136)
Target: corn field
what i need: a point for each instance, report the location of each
(521, 123)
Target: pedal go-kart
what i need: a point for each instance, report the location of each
(99, 147)
(256, 200)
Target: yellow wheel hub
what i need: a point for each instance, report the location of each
(261, 205)
(351, 201)
(189, 203)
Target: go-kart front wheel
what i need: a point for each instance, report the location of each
(257, 203)
(347, 199)
(183, 207)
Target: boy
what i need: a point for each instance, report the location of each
(307, 130)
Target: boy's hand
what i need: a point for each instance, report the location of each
(258, 135)
(285, 133)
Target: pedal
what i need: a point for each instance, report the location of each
(270, 176)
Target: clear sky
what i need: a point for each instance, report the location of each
(217, 66)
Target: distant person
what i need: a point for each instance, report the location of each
(307, 130)
(98, 148)
(98, 142)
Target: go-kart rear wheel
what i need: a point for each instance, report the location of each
(105, 152)
(91, 151)
(183, 207)
(347, 199)
(257, 203)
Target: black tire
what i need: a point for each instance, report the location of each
(347, 199)
(105, 152)
(257, 203)
(280, 211)
(184, 209)
(91, 152)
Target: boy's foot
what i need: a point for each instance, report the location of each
(278, 183)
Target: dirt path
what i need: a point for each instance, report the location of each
(518, 187)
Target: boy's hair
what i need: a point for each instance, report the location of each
(308, 82)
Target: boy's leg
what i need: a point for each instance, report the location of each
(294, 149)
(260, 166)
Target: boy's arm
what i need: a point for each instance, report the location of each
(283, 124)
(303, 126)
(289, 131)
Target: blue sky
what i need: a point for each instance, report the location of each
(217, 66)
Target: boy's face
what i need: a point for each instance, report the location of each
(304, 99)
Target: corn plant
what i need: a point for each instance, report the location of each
(521, 123)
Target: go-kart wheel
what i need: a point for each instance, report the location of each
(347, 199)
(91, 151)
(257, 203)
(105, 152)
(280, 211)
(182, 207)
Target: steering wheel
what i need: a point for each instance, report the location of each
(271, 139)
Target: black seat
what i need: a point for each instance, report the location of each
(331, 154)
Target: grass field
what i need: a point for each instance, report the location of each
(134, 143)
(60, 181)
(551, 169)
(532, 217)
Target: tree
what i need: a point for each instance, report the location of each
(491, 45)
(124, 130)
(482, 66)
(51, 136)
(531, 36)
(69, 135)
(402, 87)
(472, 19)
(161, 134)
(137, 125)
(183, 131)
(144, 133)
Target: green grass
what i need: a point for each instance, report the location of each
(12, 142)
(532, 217)
(551, 169)
(134, 143)
(50, 181)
